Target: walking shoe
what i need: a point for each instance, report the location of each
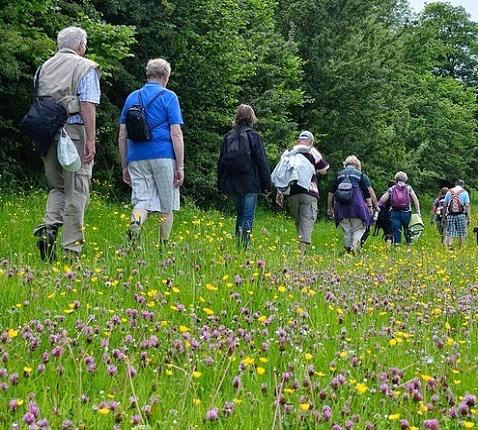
(46, 239)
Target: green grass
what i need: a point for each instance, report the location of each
(216, 313)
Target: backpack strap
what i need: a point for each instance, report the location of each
(310, 161)
(154, 98)
(36, 80)
(145, 107)
(246, 130)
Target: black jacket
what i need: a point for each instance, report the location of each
(257, 180)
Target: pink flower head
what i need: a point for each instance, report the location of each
(212, 414)
(431, 424)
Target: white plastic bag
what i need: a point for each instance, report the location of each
(67, 154)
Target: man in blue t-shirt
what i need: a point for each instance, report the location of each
(154, 168)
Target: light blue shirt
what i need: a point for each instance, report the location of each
(88, 91)
(464, 196)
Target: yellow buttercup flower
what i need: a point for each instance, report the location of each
(211, 287)
(304, 407)
(361, 388)
(248, 361)
(12, 333)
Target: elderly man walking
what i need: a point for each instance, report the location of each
(73, 81)
(154, 168)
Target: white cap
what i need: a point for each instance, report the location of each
(306, 135)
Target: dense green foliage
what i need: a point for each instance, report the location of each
(369, 78)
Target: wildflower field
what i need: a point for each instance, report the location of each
(202, 336)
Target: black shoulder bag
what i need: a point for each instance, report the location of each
(43, 121)
(137, 126)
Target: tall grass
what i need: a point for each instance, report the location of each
(203, 335)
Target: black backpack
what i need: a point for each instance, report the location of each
(345, 192)
(43, 121)
(236, 156)
(137, 126)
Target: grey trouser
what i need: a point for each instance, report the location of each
(353, 228)
(69, 193)
(303, 208)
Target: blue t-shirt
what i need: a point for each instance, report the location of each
(161, 114)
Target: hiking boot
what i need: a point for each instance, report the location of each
(46, 240)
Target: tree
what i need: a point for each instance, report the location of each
(28, 36)
(352, 69)
(449, 41)
(222, 53)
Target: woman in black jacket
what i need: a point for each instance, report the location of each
(243, 170)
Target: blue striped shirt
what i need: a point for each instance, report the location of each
(88, 91)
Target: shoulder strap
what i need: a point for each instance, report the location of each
(155, 97)
(248, 140)
(310, 161)
(37, 79)
(140, 97)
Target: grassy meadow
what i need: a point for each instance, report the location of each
(203, 336)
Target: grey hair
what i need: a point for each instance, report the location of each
(71, 37)
(401, 177)
(352, 160)
(158, 68)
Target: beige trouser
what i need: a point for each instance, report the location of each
(353, 228)
(69, 193)
(303, 208)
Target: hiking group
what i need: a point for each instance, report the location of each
(243, 172)
(62, 124)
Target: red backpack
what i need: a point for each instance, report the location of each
(454, 205)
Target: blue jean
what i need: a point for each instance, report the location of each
(245, 211)
(400, 220)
